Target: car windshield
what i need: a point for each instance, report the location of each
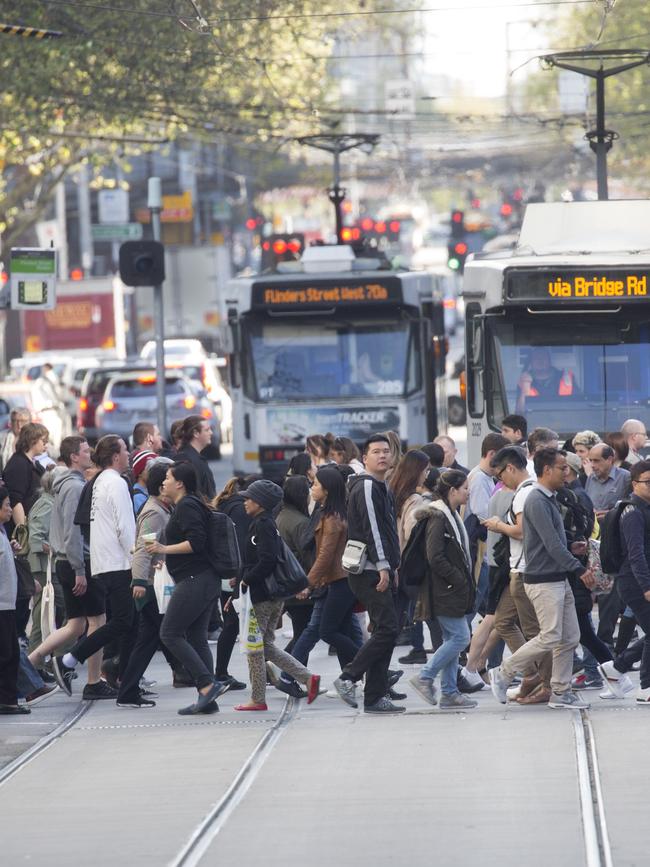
(571, 374)
(139, 388)
(332, 359)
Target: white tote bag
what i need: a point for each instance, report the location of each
(48, 605)
(163, 585)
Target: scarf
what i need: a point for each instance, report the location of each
(457, 526)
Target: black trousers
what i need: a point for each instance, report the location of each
(609, 608)
(336, 617)
(373, 658)
(9, 657)
(146, 644)
(227, 637)
(117, 587)
(299, 615)
(590, 640)
(632, 595)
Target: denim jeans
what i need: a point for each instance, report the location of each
(336, 620)
(28, 680)
(310, 635)
(455, 635)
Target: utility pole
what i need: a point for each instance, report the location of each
(154, 203)
(600, 139)
(336, 144)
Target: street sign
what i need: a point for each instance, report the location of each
(117, 232)
(113, 206)
(33, 278)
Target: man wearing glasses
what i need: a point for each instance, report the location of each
(633, 583)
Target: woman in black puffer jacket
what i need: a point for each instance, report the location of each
(449, 591)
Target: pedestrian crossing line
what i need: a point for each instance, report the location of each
(171, 725)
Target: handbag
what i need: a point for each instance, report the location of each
(288, 578)
(20, 535)
(48, 604)
(163, 586)
(355, 557)
(604, 582)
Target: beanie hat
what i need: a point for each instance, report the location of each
(265, 493)
(140, 461)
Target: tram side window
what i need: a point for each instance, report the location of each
(475, 355)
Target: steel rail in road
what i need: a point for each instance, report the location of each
(594, 824)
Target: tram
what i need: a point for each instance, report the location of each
(558, 330)
(332, 343)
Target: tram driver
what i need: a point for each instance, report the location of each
(540, 379)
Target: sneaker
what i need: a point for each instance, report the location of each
(139, 703)
(426, 688)
(213, 636)
(643, 696)
(385, 706)
(290, 687)
(394, 676)
(396, 696)
(147, 693)
(41, 694)
(583, 681)
(415, 657)
(457, 701)
(98, 691)
(465, 685)
(110, 673)
(147, 684)
(63, 674)
(193, 709)
(499, 685)
(180, 682)
(233, 684)
(620, 685)
(513, 692)
(347, 691)
(46, 676)
(568, 700)
(473, 678)
(14, 709)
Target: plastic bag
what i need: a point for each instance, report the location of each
(48, 623)
(163, 585)
(250, 637)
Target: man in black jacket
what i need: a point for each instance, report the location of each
(371, 521)
(196, 435)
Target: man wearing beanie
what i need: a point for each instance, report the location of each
(261, 554)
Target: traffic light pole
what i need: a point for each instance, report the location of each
(154, 201)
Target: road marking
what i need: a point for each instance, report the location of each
(25, 758)
(594, 824)
(201, 840)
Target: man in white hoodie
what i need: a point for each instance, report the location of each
(112, 541)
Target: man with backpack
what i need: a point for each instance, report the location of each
(626, 537)
(548, 560)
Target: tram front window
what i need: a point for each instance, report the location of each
(333, 360)
(570, 375)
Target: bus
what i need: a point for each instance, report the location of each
(558, 329)
(337, 344)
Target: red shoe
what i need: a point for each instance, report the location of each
(313, 688)
(262, 706)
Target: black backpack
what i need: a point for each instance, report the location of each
(578, 522)
(413, 567)
(611, 546)
(223, 547)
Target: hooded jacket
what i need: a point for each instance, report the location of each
(450, 590)
(66, 540)
(372, 520)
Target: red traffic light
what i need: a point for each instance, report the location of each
(346, 233)
(356, 234)
(279, 247)
(460, 248)
(518, 194)
(251, 223)
(266, 245)
(394, 226)
(476, 203)
(367, 224)
(294, 245)
(380, 227)
(457, 216)
(506, 209)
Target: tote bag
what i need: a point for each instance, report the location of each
(163, 586)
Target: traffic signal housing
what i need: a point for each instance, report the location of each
(457, 251)
(281, 248)
(142, 263)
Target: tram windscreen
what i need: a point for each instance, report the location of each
(570, 374)
(292, 360)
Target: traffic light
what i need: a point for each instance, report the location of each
(457, 224)
(281, 248)
(142, 263)
(456, 254)
(394, 227)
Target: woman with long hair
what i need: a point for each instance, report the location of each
(344, 452)
(184, 629)
(449, 591)
(318, 448)
(395, 444)
(231, 502)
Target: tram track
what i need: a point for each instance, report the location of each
(592, 806)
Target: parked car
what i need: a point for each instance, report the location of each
(130, 397)
(44, 405)
(92, 393)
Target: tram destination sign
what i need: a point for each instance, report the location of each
(323, 294)
(556, 285)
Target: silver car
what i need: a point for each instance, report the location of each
(130, 397)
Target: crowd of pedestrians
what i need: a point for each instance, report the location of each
(503, 564)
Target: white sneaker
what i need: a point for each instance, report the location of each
(620, 685)
(331, 693)
(473, 677)
(513, 693)
(643, 696)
